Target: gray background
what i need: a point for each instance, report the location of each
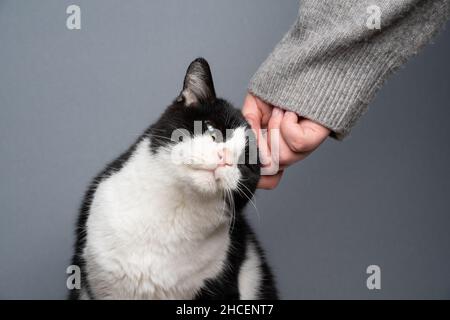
(70, 101)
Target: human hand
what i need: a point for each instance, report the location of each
(298, 137)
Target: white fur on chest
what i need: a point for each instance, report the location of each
(150, 238)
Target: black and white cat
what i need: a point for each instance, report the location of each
(154, 228)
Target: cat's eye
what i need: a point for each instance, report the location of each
(211, 130)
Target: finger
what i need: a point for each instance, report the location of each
(302, 135)
(279, 150)
(264, 151)
(321, 132)
(273, 127)
(266, 111)
(270, 182)
(287, 157)
(272, 138)
(257, 113)
(251, 113)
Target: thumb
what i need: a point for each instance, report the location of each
(255, 115)
(251, 113)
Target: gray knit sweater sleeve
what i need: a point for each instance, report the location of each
(329, 65)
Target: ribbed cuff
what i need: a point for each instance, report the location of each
(333, 91)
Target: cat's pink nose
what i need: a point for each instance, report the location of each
(225, 157)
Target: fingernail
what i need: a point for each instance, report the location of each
(276, 112)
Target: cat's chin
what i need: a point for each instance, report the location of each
(227, 178)
(203, 181)
(213, 182)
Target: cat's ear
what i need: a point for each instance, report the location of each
(198, 85)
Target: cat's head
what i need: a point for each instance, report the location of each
(205, 141)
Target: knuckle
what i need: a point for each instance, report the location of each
(285, 158)
(250, 117)
(298, 144)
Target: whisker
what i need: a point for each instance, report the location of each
(242, 192)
